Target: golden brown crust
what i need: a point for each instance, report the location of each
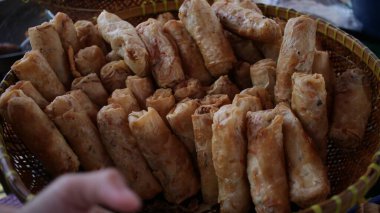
(89, 60)
(126, 99)
(114, 74)
(84, 103)
(217, 100)
(190, 88)
(162, 101)
(66, 31)
(91, 85)
(262, 94)
(141, 88)
(223, 86)
(29, 90)
(89, 35)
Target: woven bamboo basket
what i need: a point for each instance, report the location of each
(351, 172)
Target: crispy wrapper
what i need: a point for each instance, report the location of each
(263, 74)
(141, 88)
(113, 56)
(262, 94)
(91, 85)
(165, 154)
(162, 101)
(296, 54)
(266, 166)
(217, 100)
(29, 90)
(84, 103)
(165, 17)
(243, 48)
(190, 88)
(66, 30)
(205, 28)
(114, 74)
(352, 108)
(89, 60)
(33, 67)
(223, 86)
(248, 4)
(126, 99)
(88, 35)
(122, 148)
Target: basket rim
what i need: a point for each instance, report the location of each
(354, 193)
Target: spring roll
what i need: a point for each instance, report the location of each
(266, 166)
(89, 35)
(114, 74)
(162, 101)
(296, 54)
(192, 61)
(179, 119)
(126, 99)
(246, 22)
(66, 30)
(165, 17)
(33, 67)
(309, 104)
(270, 49)
(262, 94)
(165, 154)
(166, 63)
(216, 100)
(45, 39)
(84, 103)
(263, 74)
(29, 90)
(223, 86)
(125, 41)
(91, 85)
(113, 56)
(81, 133)
(190, 88)
(242, 76)
(352, 108)
(205, 28)
(202, 127)
(122, 148)
(5, 97)
(89, 60)
(40, 136)
(243, 48)
(307, 176)
(229, 150)
(141, 88)
(248, 4)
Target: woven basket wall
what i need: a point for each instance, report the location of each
(351, 173)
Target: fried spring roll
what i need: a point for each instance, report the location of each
(190, 88)
(296, 54)
(229, 150)
(91, 85)
(113, 56)
(165, 17)
(263, 74)
(90, 60)
(126, 99)
(29, 90)
(309, 104)
(242, 76)
(84, 103)
(266, 166)
(114, 74)
(125, 41)
(122, 148)
(223, 86)
(88, 35)
(33, 67)
(262, 93)
(179, 119)
(191, 57)
(6, 96)
(352, 108)
(66, 31)
(217, 100)
(307, 176)
(205, 28)
(248, 4)
(45, 39)
(243, 48)
(141, 88)
(246, 22)
(41, 137)
(202, 127)
(165, 154)
(162, 101)
(81, 133)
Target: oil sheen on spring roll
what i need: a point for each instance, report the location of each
(192, 61)
(122, 148)
(33, 67)
(296, 54)
(242, 76)
(223, 86)
(114, 74)
(205, 28)
(162, 101)
(179, 119)
(141, 88)
(307, 175)
(41, 137)
(66, 30)
(243, 48)
(309, 104)
(202, 127)
(266, 166)
(229, 153)
(262, 94)
(263, 74)
(190, 88)
(84, 103)
(217, 100)
(45, 39)
(81, 133)
(352, 108)
(246, 22)
(125, 41)
(89, 60)
(166, 63)
(91, 85)
(29, 90)
(165, 154)
(89, 35)
(126, 99)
